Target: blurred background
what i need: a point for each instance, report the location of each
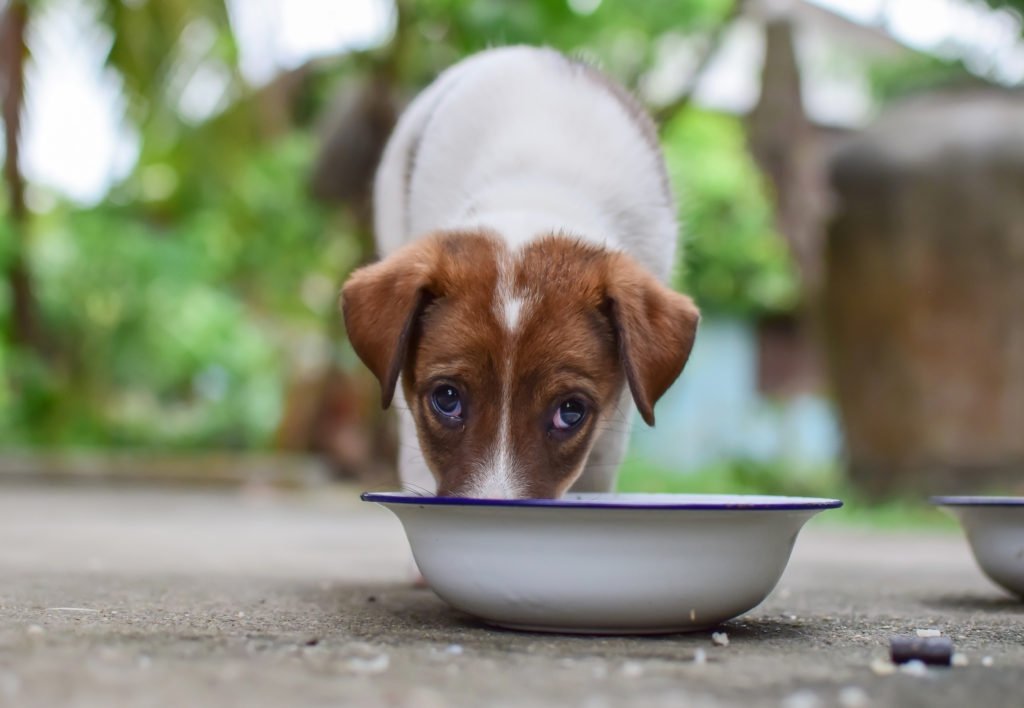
(186, 186)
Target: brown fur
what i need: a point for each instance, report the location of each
(595, 320)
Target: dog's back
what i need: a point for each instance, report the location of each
(526, 142)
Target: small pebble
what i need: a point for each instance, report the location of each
(960, 659)
(240, 615)
(632, 669)
(34, 630)
(700, 657)
(853, 697)
(928, 633)
(883, 667)
(720, 639)
(914, 667)
(987, 661)
(372, 665)
(454, 649)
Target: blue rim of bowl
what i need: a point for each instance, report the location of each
(808, 504)
(977, 501)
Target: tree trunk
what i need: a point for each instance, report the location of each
(788, 149)
(25, 330)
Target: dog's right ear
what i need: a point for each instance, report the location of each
(381, 304)
(655, 327)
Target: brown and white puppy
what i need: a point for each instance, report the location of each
(526, 229)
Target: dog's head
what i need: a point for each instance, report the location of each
(512, 363)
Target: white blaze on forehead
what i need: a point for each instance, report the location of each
(509, 305)
(511, 308)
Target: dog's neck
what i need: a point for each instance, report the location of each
(522, 209)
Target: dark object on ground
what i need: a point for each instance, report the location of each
(936, 651)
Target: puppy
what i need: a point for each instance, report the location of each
(526, 229)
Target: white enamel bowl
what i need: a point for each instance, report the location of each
(603, 563)
(995, 532)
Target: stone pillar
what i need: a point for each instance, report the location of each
(924, 296)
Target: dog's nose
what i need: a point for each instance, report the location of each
(491, 490)
(492, 483)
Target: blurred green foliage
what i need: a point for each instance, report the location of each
(622, 35)
(176, 332)
(733, 260)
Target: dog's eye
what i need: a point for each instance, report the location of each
(569, 414)
(446, 401)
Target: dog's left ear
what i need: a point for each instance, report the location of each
(381, 304)
(655, 327)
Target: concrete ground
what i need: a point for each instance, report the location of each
(151, 597)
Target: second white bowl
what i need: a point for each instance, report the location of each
(995, 532)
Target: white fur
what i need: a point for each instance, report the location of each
(512, 309)
(509, 303)
(525, 143)
(497, 477)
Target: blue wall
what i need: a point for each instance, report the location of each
(714, 412)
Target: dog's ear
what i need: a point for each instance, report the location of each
(381, 304)
(655, 327)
